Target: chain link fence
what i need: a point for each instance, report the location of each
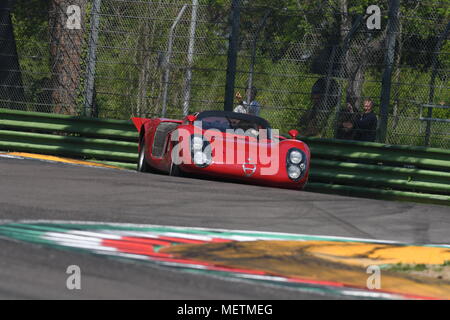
(309, 61)
(159, 58)
(314, 59)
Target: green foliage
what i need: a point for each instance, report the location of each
(294, 33)
(31, 34)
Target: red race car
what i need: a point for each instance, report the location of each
(227, 145)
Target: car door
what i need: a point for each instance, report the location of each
(160, 143)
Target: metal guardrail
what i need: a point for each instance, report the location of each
(361, 169)
(430, 108)
(429, 119)
(108, 140)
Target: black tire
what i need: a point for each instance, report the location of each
(142, 165)
(175, 170)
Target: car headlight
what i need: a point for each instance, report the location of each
(201, 152)
(296, 164)
(197, 143)
(294, 172)
(201, 159)
(295, 157)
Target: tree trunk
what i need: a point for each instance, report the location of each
(66, 42)
(346, 23)
(396, 77)
(356, 77)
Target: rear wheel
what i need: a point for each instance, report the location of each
(142, 165)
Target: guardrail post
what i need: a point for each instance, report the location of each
(167, 61)
(253, 55)
(393, 25)
(232, 55)
(190, 58)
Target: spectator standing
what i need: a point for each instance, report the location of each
(365, 124)
(253, 107)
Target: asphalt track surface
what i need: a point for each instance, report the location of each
(31, 189)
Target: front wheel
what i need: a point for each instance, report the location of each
(175, 171)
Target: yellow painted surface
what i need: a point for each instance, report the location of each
(59, 159)
(370, 254)
(342, 262)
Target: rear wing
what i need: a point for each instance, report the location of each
(139, 122)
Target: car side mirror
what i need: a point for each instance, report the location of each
(293, 133)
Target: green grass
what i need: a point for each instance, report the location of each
(400, 267)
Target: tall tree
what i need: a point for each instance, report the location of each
(67, 27)
(11, 88)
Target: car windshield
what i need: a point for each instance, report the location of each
(226, 123)
(222, 120)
